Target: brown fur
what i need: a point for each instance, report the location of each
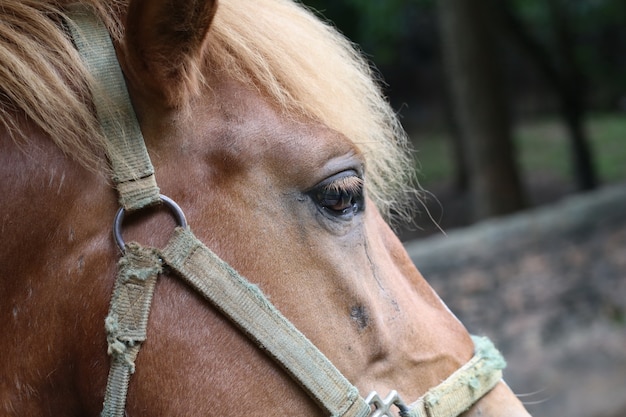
(257, 119)
(42, 73)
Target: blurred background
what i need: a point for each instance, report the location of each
(509, 103)
(516, 110)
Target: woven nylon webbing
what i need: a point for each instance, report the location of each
(465, 386)
(127, 322)
(133, 171)
(246, 305)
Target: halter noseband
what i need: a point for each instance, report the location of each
(217, 281)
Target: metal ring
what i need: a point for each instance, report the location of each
(177, 212)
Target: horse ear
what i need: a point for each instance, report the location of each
(163, 46)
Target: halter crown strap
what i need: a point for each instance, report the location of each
(133, 173)
(219, 283)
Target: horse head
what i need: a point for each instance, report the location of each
(268, 130)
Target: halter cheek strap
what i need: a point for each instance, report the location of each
(219, 283)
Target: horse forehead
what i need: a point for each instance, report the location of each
(252, 130)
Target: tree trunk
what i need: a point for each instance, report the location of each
(562, 71)
(573, 97)
(461, 173)
(480, 106)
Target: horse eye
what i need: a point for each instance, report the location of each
(340, 195)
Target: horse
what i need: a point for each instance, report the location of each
(270, 130)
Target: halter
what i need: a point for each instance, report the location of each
(238, 299)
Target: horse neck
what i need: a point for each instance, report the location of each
(51, 283)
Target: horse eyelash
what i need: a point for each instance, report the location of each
(348, 184)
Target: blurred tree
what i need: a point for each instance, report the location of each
(561, 67)
(576, 44)
(480, 106)
(376, 25)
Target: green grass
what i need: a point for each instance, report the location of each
(543, 147)
(608, 134)
(434, 157)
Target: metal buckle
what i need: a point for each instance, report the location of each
(382, 407)
(177, 212)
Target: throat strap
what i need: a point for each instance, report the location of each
(127, 322)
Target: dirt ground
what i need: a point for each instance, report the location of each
(549, 287)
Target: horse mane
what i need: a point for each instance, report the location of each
(307, 69)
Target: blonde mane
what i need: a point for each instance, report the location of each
(302, 64)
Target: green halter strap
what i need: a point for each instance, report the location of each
(219, 283)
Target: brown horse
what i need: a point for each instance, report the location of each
(268, 129)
